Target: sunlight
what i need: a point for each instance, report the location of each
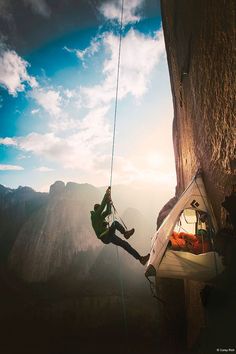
(154, 160)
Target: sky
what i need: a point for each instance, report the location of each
(58, 76)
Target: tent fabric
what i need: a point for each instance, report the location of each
(179, 264)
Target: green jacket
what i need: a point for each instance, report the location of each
(98, 218)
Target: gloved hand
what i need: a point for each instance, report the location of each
(108, 194)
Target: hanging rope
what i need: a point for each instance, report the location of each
(117, 91)
(112, 161)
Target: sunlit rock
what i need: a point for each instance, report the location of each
(200, 40)
(57, 188)
(200, 44)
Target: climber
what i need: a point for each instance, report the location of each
(106, 233)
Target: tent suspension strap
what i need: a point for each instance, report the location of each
(112, 161)
(153, 291)
(211, 233)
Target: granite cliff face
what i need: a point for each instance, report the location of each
(200, 45)
(16, 206)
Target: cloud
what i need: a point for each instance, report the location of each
(13, 72)
(40, 144)
(39, 7)
(7, 17)
(69, 93)
(79, 150)
(88, 52)
(22, 157)
(10, 168)
(34, 111)
(85, 147)
(44, 169)
(49, 99)
(139, 55)
(128, 171)
(112, 10)
(8, 141)
(54, 102)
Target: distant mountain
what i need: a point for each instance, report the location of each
(60, 279)
(16, 206)
(49, 239)
(44, 235)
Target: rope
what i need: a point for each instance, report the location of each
(117, 91)
(122, 291)
(112, 162)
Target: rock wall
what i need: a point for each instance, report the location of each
(200, 37)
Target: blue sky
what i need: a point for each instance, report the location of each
(57, 104)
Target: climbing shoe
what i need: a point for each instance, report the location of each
(128, 233)
(143, 260)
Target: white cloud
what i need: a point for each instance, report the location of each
(49, 99)
(8, 141)
(13, 72)
(79, 150)
(34, 111)
(41, 144)
(139, 55)
(87, 52)
(128, 171)
(40, 7)
(10, 168)
(69, 93)
(85, 148)
(63, 122)
(55, 103)
(112, 10)
(44, 169)
(22, 157)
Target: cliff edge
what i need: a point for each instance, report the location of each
(200, 45)
(199, 38)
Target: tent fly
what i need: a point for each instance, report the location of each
(183, 246)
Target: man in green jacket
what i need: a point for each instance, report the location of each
(106, 233)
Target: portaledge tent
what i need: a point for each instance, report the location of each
(168, 263)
